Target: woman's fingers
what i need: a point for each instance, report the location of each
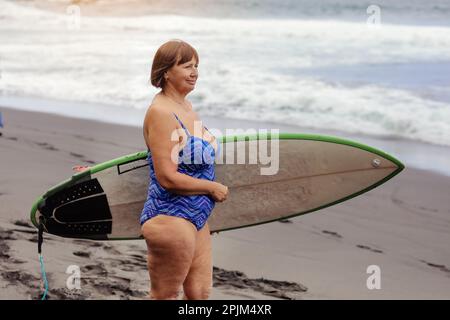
(80, 168)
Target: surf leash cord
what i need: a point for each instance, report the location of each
(41, 259)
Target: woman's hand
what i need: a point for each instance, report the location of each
(219, 192)
(80, 168)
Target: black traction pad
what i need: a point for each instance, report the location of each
(81, 209)
(90, 209)
(94, 230)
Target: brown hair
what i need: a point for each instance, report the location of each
(170, 53)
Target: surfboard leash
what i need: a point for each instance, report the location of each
(41, 259)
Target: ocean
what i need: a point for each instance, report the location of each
(350, 66)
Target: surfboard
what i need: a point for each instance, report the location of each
(311, 172)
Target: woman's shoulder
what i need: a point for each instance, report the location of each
(160, 105)
(158, 109)
(159, 114)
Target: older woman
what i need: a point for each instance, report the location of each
(182, 191)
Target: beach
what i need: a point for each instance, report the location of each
(74, 89)
(401, 226)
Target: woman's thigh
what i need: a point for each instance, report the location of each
(171, 247)
(198, 282)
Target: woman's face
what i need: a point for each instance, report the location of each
(183, 76)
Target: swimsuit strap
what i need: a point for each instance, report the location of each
(187, 131)
(181, 123)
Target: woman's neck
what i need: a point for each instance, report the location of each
(174, 95)
(179, 100)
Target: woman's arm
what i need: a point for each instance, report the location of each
(164, 141)
(196, 186)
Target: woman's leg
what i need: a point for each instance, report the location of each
(198, 282)
(171, 247)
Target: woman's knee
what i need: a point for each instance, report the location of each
(164, 294)
(197, 292)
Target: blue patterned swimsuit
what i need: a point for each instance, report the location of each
(196, 159)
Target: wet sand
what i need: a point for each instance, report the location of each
(402, 227)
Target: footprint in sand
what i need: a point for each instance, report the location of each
(80, 156)
(129, 265)
(278, 289)
(84, 138)
(369, 248)
(18, 277)
(111, 250)
(88, 243)
(82, 254)
(96, 269)
(77, 155)
(139, 258)
(4, 251)
(46, 146)
(95, 282)
(7, 235)
(117, 286)
(437, 266)
(97, 279)
(428, 209)
(332, 233)
(412, 208)
(21, 278)
(24, 231)
(16, 234)
(23, 223)
(61, 294)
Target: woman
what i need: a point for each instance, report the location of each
(182, 192)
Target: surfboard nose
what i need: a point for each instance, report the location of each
(383, 160)
(315, 172)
